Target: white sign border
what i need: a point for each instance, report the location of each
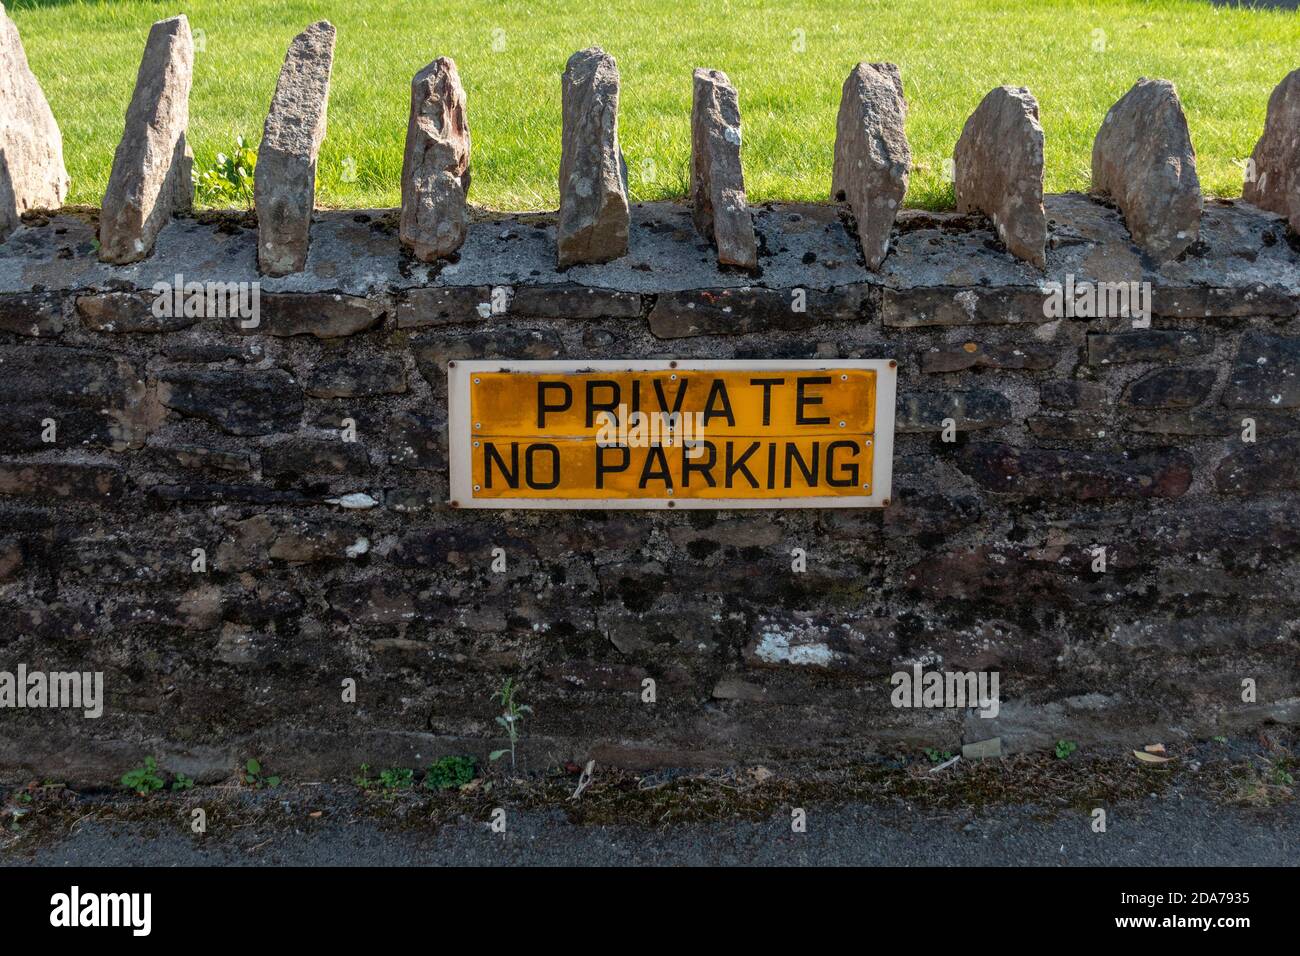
(460, 433)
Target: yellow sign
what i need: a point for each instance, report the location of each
(709, 434)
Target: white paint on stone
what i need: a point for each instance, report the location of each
(356, 500)
(778, 647)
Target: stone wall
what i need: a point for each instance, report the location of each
(328, 560)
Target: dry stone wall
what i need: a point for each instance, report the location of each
(329, 559)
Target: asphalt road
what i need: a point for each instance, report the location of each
(1169, 831)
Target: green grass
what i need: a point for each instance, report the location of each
(1225, 62)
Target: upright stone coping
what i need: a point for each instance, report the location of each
(285, 178)
(717, 194)
(1143, 159)
(872, 157)
(999, 159)
(593, 224)
(1273, 180)
(151, 175)
(32, 174)
(944, 260)
(999, 170)
(435, 167)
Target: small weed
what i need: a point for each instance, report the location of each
(228, 181)
(144, 780)
(510, 719)
(253, 776)
(937, 756)
(1064, 748)
(449, 773)
(390, 780)
(1262, 786)
(396, 778)
(182, 782)
(1279, 774)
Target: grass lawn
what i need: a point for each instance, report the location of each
(786, 59)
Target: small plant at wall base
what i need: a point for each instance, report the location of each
(510, 719)
(252, 775)
(1280, 774)
(450, 773)
(390, 780)
(396, 778)
(1064, 748)
(228, 181)
(144, 780)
